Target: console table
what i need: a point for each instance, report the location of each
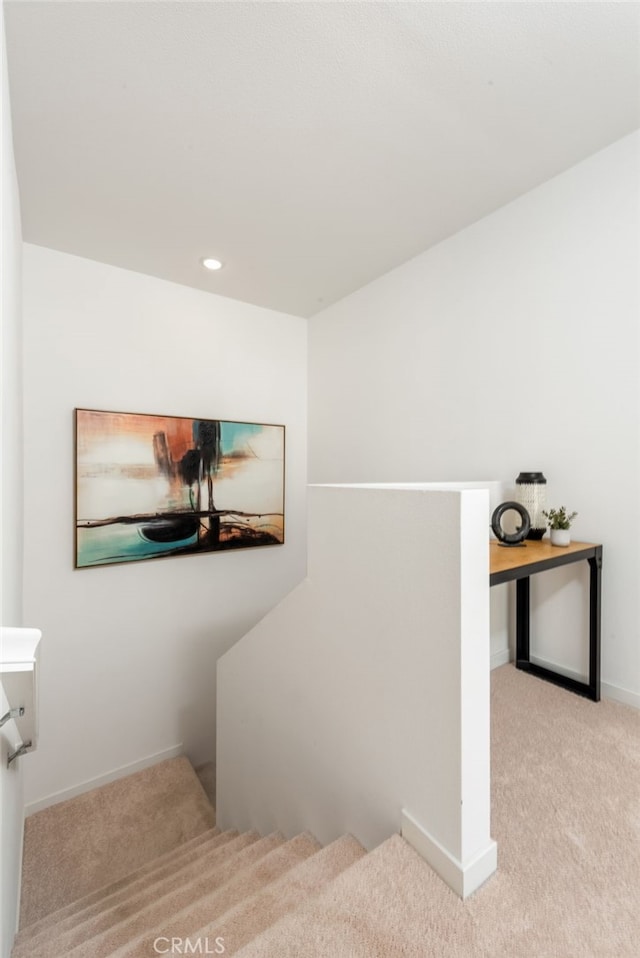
(517, 564)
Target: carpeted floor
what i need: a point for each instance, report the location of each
(565, 814)
(80, 845)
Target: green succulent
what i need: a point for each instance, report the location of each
(559, 518)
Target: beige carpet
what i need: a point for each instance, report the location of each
(207, 776)
(566, 816)
(76, 847)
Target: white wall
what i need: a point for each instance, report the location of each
(511, 346)
(11, 476)
(11, 779)
(128, 661)
(365, 693)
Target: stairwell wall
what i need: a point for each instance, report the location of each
(11, 779)
(128, 666)
(513, 345)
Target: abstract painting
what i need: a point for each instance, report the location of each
(151, 486)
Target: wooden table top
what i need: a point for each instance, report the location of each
(506, 560)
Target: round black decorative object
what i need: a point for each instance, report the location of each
(531, 492)
(510, 538)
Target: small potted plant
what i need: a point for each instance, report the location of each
(559, 522)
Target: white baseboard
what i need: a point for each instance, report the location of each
(111, 776)
(463, 879)
(618, 694)
(500, 658)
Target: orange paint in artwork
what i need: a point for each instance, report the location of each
(95, 427)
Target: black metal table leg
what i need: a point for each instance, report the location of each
(595, 578)
(522, 622)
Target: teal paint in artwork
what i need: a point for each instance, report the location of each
(235, 435)
(121, 543)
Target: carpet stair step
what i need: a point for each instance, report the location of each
(110, 929)
(207, 777)
(80, 845)
(235, 897)
(257, 912)
(358, 915)
(251, 896)
(120, 892)
(104, 891)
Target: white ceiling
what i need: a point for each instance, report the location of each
(311, 146)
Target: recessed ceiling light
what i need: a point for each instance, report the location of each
(212, 264)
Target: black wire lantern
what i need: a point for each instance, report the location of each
(531, 492)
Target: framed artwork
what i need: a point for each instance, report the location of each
(153, 486)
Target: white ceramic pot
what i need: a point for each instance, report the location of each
(560, 537)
